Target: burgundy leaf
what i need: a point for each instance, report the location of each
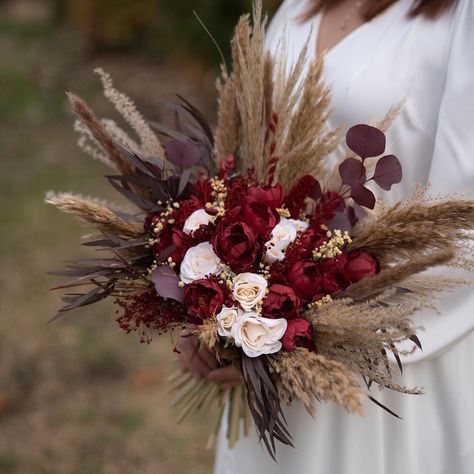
(388, 172)
(166, 283)
(182, 153)
(366, 141)
(363, 196)
(352, 172)
(315, 192)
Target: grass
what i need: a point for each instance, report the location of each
(76, 396)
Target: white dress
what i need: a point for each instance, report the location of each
(429, 67)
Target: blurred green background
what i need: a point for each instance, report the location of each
(78, 396)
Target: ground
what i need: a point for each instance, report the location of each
(76, 396)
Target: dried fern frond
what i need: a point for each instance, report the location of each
(302, 375)
(95, 213)
(420, 224)
(150, 145)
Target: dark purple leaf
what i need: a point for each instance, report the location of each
(363, 196)
(352, 172)
(166, 283)
(415, 339)
(388, 172)
(315, 192)
(182, 153)
(198, 117)
(340, 221)
(366, 141)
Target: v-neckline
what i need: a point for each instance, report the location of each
(316, 27)
(317, 30)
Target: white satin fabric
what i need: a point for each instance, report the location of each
(429, 67)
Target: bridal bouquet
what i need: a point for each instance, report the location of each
(278, 263)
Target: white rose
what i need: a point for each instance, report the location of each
(199, 262)
(257, 335)
(249, 289)
(300, 225)
(226, 320)
(283, 235)
(196, 220)
(276, 251)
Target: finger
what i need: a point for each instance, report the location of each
(231, 385)
(225, 375)
(209, 358)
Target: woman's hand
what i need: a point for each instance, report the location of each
(202, 363)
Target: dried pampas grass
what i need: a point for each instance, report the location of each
(150, 146)
(418, 225)
(302, 375)
(99, 134)
(391, 276)
(97, 214)
(353, 334)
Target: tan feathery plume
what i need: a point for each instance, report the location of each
(94, 213)
(150, 145)
(308, 141)
(88, 144)
(419, 224)
(249, 73)
(350, 333)
(268, 86)
(227, 133)
(100, 134)
(207, 334)
(301, 374)
(121, 136)
(394, 275)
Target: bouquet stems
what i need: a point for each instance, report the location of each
(193, 396)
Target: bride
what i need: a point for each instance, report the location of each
(380, 53)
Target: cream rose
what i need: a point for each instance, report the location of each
(282, 236)
(199, 262)
(226, 320)
(196, 220)
(249, 289)
(257, 335)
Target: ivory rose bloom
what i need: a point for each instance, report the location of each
(199, 262)
(226, 320)
(282, 236)
(257, 335)
(196, 220)
(249, 289)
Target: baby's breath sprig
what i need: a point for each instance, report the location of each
(332, 248)
(319, 304)
(264, 270)
(219, 193)
(284, 212)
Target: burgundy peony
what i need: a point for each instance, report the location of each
(359, 266)
(298, 334)
(204, 298)
(333, 278)
(311, 240)
(271, 196)
(260, 217)
(236, 244)
(304, 278)
(281, 302)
